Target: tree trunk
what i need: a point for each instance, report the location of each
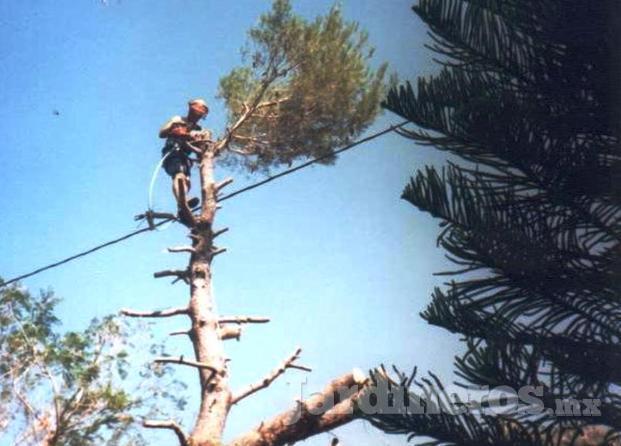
(208, 348)
(208, 331)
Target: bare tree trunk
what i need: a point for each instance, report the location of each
(208, 332)
(208, 347)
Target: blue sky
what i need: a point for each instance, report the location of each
(331, 254)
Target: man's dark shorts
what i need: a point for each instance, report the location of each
(176, 164)
(177, 161)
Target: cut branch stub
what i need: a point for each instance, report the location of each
(152, 215)
(300, 367)
(217, 251)
(222, 184)
(159, 313)
(182, 361)
(177, 249)
(183, 274)
(243, 320)
(219, 232)
(227, 333)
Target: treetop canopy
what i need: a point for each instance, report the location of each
(305, 89)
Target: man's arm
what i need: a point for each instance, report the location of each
(200, 135)
(176, 126)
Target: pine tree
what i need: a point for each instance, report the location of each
(526, 105)
(305, 88)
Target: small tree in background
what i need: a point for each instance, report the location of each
(70, 388)
(305, 89)
(527, 105)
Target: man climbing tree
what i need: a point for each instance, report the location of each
(181, 134)
(306, 90)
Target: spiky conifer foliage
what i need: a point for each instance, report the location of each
(526, 103)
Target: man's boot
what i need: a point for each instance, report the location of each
(193, 202)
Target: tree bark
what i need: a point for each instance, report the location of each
(208, 347)
(334, 406)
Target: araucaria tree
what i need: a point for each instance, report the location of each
(526, 104)
(305, 90)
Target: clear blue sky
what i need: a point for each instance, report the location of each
(331, 254)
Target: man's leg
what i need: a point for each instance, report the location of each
(184, 208)
(180, 180)
(194, 201)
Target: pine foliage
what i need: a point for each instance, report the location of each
(306, 87)
(526, 103)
